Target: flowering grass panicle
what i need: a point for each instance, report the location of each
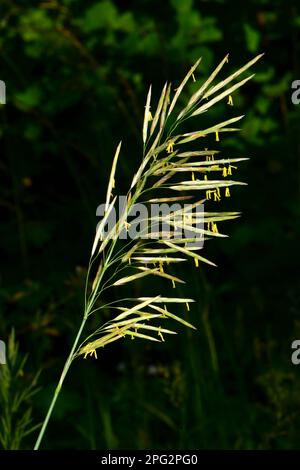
(175, 166)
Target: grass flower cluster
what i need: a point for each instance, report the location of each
(169, 172)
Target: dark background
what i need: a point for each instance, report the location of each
(77, 74)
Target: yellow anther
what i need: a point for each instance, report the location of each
(196, 262)
(187, 306)
(94, 352)
(216, 196)
(170, 146)
(173, 284)
(160, 334)
(224, 172)
(227, 192)
(230, 169)
(91, 353)
(214, 228)
(208, 194)
(230, 100)
(217, 136)
(193, 176)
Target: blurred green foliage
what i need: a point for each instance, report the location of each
(77, 74)
(16, 392)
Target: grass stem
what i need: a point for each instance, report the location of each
(60, 383)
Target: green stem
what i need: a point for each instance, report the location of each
(88, 306)
(59, 385)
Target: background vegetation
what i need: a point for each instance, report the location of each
(77, 74)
